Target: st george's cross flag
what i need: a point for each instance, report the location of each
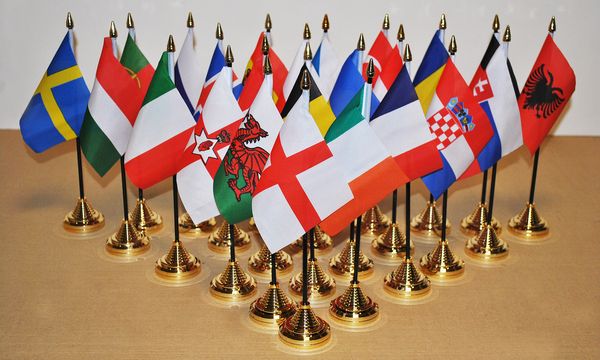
(161, 131)
(295, 69)
(379, 52)
(401, 125)
(218, 123)
(187, 72)
(56, 110)
(430, 70)
(326, 64)
(390, 70)
(300, 184)
(461, 126)
(547, 91)
(114, 104)
(242, 166)
(495, 88)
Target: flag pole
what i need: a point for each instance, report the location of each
(70, 25)
(131, 31)
(407, 62)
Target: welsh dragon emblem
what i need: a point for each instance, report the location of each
(250, 161)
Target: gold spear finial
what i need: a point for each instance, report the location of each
(443, 24)
(507, 35)
(268, 24)
(552, 26)
(370, 71)
(229, 56)
(386, 22)
(171, 44)
(307, 52)
(190, 20)
(400, 36)
(267, 67)
(496, 24)
(219, 32)
(306, 34)
(129, 23)
(325, 23)
(407, 53)
(305, 83)
(452, 48)
(112, 32)
(69, 21)
(361, 43)
(265, 45)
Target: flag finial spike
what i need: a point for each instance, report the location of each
(171, 44)
(268, 24)
(219, 32)
(552, 26)
(112, 31)
(129, 23)
(370, 71)
(265, 45)
(507, 35)
(305, 83)
(452, 48)
(267, 67)
(443, 24)
(496, 24)
(190, 20)
(306, 34)
(361, 43)
(407, 54)
(69, 21)
(325, 23)
(386, 22)
(229, 56)
(307, 52)
(400, 36)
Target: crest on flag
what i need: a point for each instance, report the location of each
(450, 122)
(205, 146)
(540, 95)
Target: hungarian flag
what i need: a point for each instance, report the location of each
(326, 64)
(300, 184)
(461, 126)
(187, 72)
(366, 164)
(207, 145)
(242, 166)
(389, 72)
(379, 52)
(545, 94)
(295, 70)
(114, 104)
(430, 70)
(161, 131)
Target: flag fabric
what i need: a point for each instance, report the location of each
(461, 126)
(161, 131)
(114, 104)
(243, 164)
(495, 88)
(187, 72)
(326, 64)
(366, 164)
(379, 52)
(349, 82)
(295, 70)
(547, 91)
(430, 70)
(401, 125)
(300, 184)
(389, 72)
(207, 145)
(56, 110)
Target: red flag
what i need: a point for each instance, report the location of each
(545, 94)
(379, 52)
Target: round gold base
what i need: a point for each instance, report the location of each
(528, 225)
(374, 222)
(252, 225)
(272, 307)
(127, 252)
(266, 271)
(145, 219)
(322, 241)
(178, 265)
(479, 254)
(389, 253)
(127, 241)
(188, 227)
(305, 330)
(260, 263)
(441, 264)
(406, 282)
(445, 274)
(192, 270)
(405, 292)
(233, 284)
(470, 229)
(364, 273)
(427, 224)
(353, 308)
(321, 286)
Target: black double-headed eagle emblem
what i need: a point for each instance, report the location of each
(540, 95)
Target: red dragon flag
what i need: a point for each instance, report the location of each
(545, 94)
(218, 123)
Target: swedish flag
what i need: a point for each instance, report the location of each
(55, 112)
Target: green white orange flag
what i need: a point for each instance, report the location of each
(114, 104)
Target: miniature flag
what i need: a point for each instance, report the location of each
(161, 131)
(56, 110)
(391, 69)
(545, 94)
(300, 184)
(242, 166)
(114, 104)
(326, 64)
(379, 52)
(460, 125)
(187, 72)
(430, 71)
(207, 145)
(348, 83)
(295, 70)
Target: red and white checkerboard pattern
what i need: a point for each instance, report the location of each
(445, 127)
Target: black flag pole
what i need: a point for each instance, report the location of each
(79, 168)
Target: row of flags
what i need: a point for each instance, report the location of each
(295, 149)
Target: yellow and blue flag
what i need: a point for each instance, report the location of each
(430, 71)
(56, 110)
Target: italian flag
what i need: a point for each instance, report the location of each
(114, 104)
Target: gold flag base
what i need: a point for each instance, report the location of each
(528, 224)
(374, 222)
(260, 262)
(218, 241)
(406, 282)
(188, 227)
(84, 218)
(322, 241)
(391, 244)
(320, 285)
(487, 246)
(353, 308)
(305, 330)
(342, 264)
(441, 264)
(428, 222)
(177, 265)
(475, 222)
(252, 225)
(233, 284)
(127, 241)
(273, 307)
(143, 218)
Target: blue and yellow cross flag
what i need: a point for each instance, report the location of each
(56, 110)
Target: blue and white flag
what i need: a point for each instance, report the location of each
(187, 72)
(327, 65)
(348, 83)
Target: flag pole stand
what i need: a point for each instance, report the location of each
(252, 225)
(342, 264)
(476, 221)
(219, 240)
(428, 223)
(392, 243)
(374, 222)
(320, 240)
(143, 218)
(260, 264)
(189, 228)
